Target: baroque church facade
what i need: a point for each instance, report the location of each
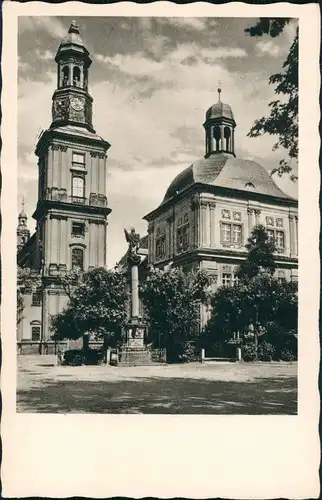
(71, 213)
(210, 209)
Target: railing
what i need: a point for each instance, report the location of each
(96, 200)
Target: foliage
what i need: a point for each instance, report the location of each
(248, 352)
(288, 355)
(77, 357)
(97, 306)
(268, 26)
(266, 351)
(261, 301)
(283, 118)
(172, 301)
(188, 352)
(27, 280)
(260, 254)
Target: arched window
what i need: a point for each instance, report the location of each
(76, 76)
(78, 186)
(227, 135)
(85, 79)
(77, 259)
(65, 73)
(35, 330)
(217, 136)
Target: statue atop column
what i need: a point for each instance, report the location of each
(133, 240)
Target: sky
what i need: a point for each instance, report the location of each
(152, 81)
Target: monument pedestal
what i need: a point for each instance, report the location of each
(134, 352)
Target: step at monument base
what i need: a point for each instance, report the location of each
(137, 357)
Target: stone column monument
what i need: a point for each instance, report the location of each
(134, 350)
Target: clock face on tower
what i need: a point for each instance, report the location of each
(77, 104)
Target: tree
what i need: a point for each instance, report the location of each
(28, 280)
(172, 301)
(258, 303)
(260, 254)
(97, 306)
(283, 118)
(248, 308)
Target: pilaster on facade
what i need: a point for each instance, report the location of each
(207, 233)
(212, 207)
(170, 231)
(151, 243)
(253, 215)
(257, 212)
(293, 229)
(196, 217)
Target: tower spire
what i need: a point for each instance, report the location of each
(219, 83)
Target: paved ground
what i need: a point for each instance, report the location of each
(217, 388)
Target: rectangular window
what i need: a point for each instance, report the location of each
(35, 333)
(78, 187)
(279, 239)
(270, 234)
(35, 299)
(78, 229)
(237, 233)
(276, 236)
(231, 233)
(226, 233)
(79, 158)
(160, 247)
(183, 234)
(77, 259)
(227, 279)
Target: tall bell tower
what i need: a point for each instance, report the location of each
(72, 209)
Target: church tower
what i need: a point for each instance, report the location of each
(23, 233)
(72, 209)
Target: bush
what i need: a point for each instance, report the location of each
(266, 351)
(182, 352)
(78, 357)
(73, 357)
(189, 353)
(287, 355)
(249, 352)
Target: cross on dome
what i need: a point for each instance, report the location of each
(219, 83)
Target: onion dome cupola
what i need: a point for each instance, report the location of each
(220, 128)
(72, 104)
(23, 233)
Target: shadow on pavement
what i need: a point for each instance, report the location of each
(156, 395)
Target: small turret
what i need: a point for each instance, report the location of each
(23, 233)
(220, 128)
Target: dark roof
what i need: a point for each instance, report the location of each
(144, 242)
(220, 110)
(224, 170)
(80, 132)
